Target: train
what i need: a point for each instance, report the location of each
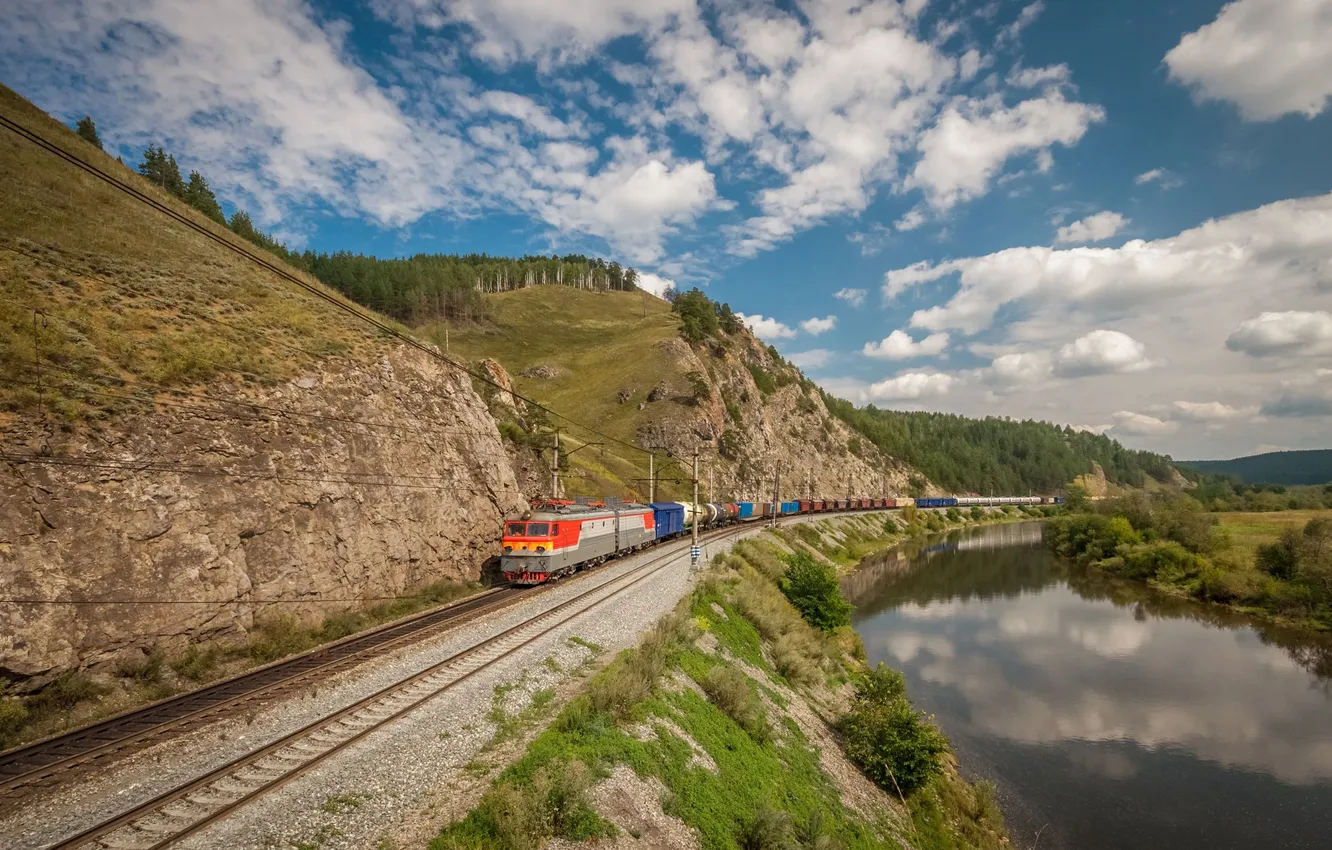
(557, 538)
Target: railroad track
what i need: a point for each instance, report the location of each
(190, 807)
(46, 764)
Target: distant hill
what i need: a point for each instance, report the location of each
(1303, 467)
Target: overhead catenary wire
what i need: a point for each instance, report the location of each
(277, 269)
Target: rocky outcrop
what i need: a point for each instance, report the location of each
(193, 522)
(502, 391)
(753, 435)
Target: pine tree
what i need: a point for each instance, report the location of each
(161, 168)
(88, 130)
(199, 195)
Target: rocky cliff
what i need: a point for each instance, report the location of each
(184, 525)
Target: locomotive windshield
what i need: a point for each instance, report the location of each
(516, 529)
(537, 529)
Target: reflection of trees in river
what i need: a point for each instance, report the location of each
(1311, 651)
(1001, 561)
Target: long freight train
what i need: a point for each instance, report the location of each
(558, 538)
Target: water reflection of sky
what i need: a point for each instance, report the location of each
(1026, 672)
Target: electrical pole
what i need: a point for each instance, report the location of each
(809, 485)
(555, 469)
(694, 551)
(711, 495)
(776, 492)
(652, 478)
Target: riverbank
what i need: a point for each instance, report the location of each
(847, 541)
(1273, 566)
(736, 723)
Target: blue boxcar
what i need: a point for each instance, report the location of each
(936, 503)
(790, 508)
(746, 510)
(669, 518)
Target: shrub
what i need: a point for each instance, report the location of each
(977, 513)
(881, 684)
(897, 746)
(731, 692)
(1279, 559)
(197, 665)
(521, 816)
(954, 515)
(146, 668)
(12, 717)
(812, 588)
(66, 691)
(767, 830)
(1164, 560)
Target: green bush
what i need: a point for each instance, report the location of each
(1279, 559)
(66, 691)
(954, 515)
(977, 513)
(731, 692)
(521, 816)
(1164, 560)
(767, 830)
(811, 586)
(897, 746)
(12, 717)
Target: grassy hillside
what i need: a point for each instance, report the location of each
(1289, 468)
(597, 344)
(126, 300)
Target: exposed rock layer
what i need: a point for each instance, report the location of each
(413, 492)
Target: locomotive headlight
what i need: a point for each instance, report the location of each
(508, 548)
(541, 548)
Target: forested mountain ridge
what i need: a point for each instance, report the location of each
(1312, 466)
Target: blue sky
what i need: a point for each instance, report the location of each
(1116, 215)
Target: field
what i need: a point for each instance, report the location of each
(1250, 530)
(597, 344)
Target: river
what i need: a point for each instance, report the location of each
(1107, 716)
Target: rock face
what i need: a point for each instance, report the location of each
(504, 389)
(321, 508)
(756, 434)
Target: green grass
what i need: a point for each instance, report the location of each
(128, 293)
(1248, 531)
(601, 342)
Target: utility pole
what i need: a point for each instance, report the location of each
(711, 494)
(809, 484)
(694, 551)
(652, 477)
(776, 493)
(555, 469)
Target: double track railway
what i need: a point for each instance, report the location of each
(169, 817)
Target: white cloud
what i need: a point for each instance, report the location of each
(1284, 243)
(766, 328)
(854, 297)
(1029, 14)
(1268, 57)
(656, 284)
(899, 345)
(1290, 333)
(1093, 228)
(1021, 368)
(912, 386)
(1033, 77)
(973, 138)
(1101, 352)
(812, 359)
(1093, 429)
(816, 326)
(1141, 425)
(1210, 411)
(911, 220)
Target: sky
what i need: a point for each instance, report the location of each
(1112, 214)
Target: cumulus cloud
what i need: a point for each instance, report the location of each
(899, 345)
(1268, 57)
(654, 283)
(1291, 333)
(812, 359)
(911, 220)
(766, 328)
(816, 326)
(854, 297)
(1093, 228)
(1280, 245)
(912, 386)
(1160, 176)
(1021, 368)
(1208, 412)
(966, 147)
(1141, 425)
(1101, 352)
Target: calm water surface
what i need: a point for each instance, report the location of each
(1109, 717)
